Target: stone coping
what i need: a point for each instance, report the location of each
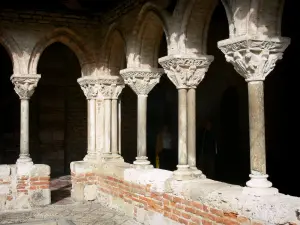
(277, 209)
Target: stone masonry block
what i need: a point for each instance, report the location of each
(40, 170)
(4, 171)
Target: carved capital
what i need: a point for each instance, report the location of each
(140, 80)
(25, 84)
(185, 71)
(253, 58)
(101, 87)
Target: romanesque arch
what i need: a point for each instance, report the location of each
(14, 52)
(190, 26)
(70, 39)
(114, 55)
(147, 33)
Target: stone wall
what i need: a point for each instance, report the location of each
(24, 186)
(152, 197)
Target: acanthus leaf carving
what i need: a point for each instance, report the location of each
(253, 58)
(185, 71)
(142, 81)
(24, 85)
(101, 87)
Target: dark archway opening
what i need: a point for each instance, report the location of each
(58, 123)
(222, 113)
(9, 112)
(281, 110)
(162, 119)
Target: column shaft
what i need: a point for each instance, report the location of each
(24, 132)
(114, 126)
(257, 127)
(191, 98)
(91, 154)
(107, 125)
(119, 126)
(182, 127)
(142, 126)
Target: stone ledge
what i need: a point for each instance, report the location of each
(153, 195)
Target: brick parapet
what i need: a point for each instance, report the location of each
(117, 192)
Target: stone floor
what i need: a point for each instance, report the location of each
(63, 207)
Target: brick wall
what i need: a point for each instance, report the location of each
(146, 203)
(24, 187)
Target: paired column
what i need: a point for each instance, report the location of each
(24, 87)
(186, 73)
(254, 59)
(142, 82)
(106, 89)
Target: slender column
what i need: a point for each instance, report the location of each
(254, 59)
(91, 152)
(142, 82)
(107, 125)
(186, 73)
(24, 87)
(99, 126)
(114, 127)
(142, 129)
(119, 126)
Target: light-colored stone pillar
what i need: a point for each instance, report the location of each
(90, 89)
(99, 126)
(104, 88)
(186, 72)
(24, 87)
(254, 59)
(119, 126)
(115, 123)
(142, 82)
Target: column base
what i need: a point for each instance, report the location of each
(90, 157)
(259, 185)
(24, 160)
(183, 173)
(108, 157)
(197, 173)
(142, 162)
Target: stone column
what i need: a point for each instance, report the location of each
(186, 73)
(90, 88)
(107, 89)
(142, 82)
(24, 87)
(254, 59)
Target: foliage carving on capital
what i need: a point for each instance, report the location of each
(253, 59)
(186, 72)
(25, 84)
(142, 81)
(101, 87)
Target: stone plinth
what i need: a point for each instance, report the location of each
(24, 186)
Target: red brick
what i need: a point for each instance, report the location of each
(230, 214)
(243, 220)
(227, 221)
(9, 198)
(206, 222)
(185, 215)
(192, 223)
(205, 208)
(196, 219)
(168, 214)
(167, 209)
(44, 178)
(216, 212)
(34, 179)
(181, 220)
(176, 212)
(177, 200)
(174, 217)
(190, 210)
(197, 205)
(168, 197)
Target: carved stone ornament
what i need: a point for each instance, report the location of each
(253, 58)
(101, 87)
(25, 84)
(141, 80)
(185, 71)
